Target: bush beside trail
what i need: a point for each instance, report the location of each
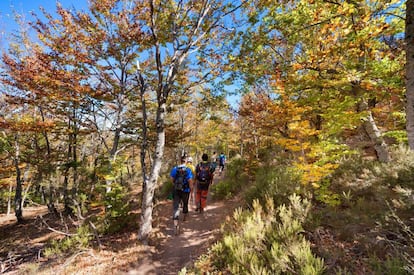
(358, 220)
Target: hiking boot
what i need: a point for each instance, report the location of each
(197, 209)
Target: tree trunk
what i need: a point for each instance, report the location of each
(112, 157)
(9, 199)
(409, 71)
(66, 194)
(26, 180)
(149, 186)
(375, 136)
(50, 188)
(18, 196)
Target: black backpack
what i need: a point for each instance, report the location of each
(180, 181)
(204, 173)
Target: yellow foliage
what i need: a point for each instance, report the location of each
(313, 173)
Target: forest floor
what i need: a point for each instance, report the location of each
(22, 245)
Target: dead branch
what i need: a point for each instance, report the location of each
(55, 230)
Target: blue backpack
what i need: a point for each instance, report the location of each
(221, 159)
(180, 181)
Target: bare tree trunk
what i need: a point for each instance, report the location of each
(25, 180)
(149, 186)
(374, 134)
(66, 194)
(9, 199)
(112, 157)
(18, 196)
(50, 188)
(376, 138)
(409, 40)
(146, 198)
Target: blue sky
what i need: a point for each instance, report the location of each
(25, 7)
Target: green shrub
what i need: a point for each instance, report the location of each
(264, 240)
(234, 182)
(391, 265)
(277, 183)
(165, 189)
(70, 244)
(115, 195)
(116, 209)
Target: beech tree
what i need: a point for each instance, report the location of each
(338, 62)
(180, 31)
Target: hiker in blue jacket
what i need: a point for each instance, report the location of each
(182, 177)
(222, 162)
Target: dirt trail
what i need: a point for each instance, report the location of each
(198, 232)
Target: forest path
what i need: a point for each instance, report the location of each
(198, 232)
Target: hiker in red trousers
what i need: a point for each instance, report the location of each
(204, 177)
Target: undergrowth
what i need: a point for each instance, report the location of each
(70, 243)
(368, 206)
(264, 240)
(361, 221)
(235, 180)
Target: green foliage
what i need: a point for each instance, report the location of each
(116, 209)
(115, 194)
(276, 182)
(391, 265)
(324, 195)
(264, 240)
(400, 136)
(236, 179)
(4, 197)
(166, 188)
(70, 244)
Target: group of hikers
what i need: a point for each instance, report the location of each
(192, 183)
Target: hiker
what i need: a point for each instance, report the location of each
(204, 177)
(192, 186)
(222, 162)
(181, 176)
(214, 160)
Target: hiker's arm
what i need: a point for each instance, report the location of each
(190, 177)
(172, 175)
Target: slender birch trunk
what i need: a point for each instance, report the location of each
(374, 133)
(9, 199)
